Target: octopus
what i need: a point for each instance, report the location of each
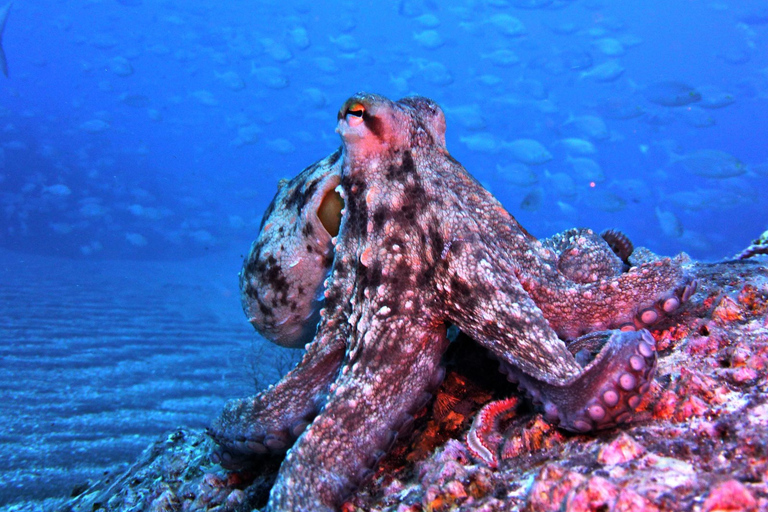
(369, 255)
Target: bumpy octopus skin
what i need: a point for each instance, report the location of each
(422, 244)
(282, 279)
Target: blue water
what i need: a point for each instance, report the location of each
(171, 122)
(157, 130)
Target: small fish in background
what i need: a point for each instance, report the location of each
(586, 169)
(709, 163)
(605, 200)
(532, 201)
(59, 190)
(671, 94)
(589, 126)
(231, 80)
(619, 107)
(429, 39)
(609, 71)
(482, 142)
(299, 37)
(508, 25)
(3, 18)
(560, 184)
(715, 98)
(670, 224)
(529, 151)
(609, 46)
(697, 117)
(516, 174)
(469, 116)
(94, 126)
(576, 146)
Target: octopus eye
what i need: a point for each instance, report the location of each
(356, 110)
(354, 114)
(329, 212)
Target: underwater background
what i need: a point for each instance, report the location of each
(141, 141)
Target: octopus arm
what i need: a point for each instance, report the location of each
(635, 299)
(270, 422)
(500, 315)
(378, 390)
(608, 389)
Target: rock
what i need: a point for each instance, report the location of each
(698, 442)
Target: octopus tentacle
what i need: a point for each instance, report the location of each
(270, 422)
(635, 299)
(608, 389)
(502, 317)
(367, 406)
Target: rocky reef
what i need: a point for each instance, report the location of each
(698, 442)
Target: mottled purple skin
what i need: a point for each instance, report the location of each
(422, 244)
(281, 281)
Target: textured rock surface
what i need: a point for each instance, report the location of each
(700, 441)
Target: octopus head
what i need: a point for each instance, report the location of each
(370, 124)
(281, 282)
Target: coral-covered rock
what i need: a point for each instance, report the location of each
(698, 442)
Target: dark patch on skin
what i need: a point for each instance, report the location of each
(276, 279)
(297, 180)
(460, 287)
(406, 214)
(379, 217)
(267, 213)
(300, 196)
(416, 192)
(334, 157)
(401, 172)
(372, 276)
(357, 210)
(252, 263)
(307, 230)
(436, 242)
(374, 124)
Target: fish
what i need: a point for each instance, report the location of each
(94, 126)
(714, 98)
(3, 18)
(710, 163)
(429, 39)
(529, 151)
(586, 169)
(516, 174)
(587, 126)
(482, 142)
(609, 46)
(508, 25)
(618, 107)
(59, 189)
(577, 146)
(532, 201)
(669, 223)
(672, 94)
(605, 200)
(469, 116)
(608, 71)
